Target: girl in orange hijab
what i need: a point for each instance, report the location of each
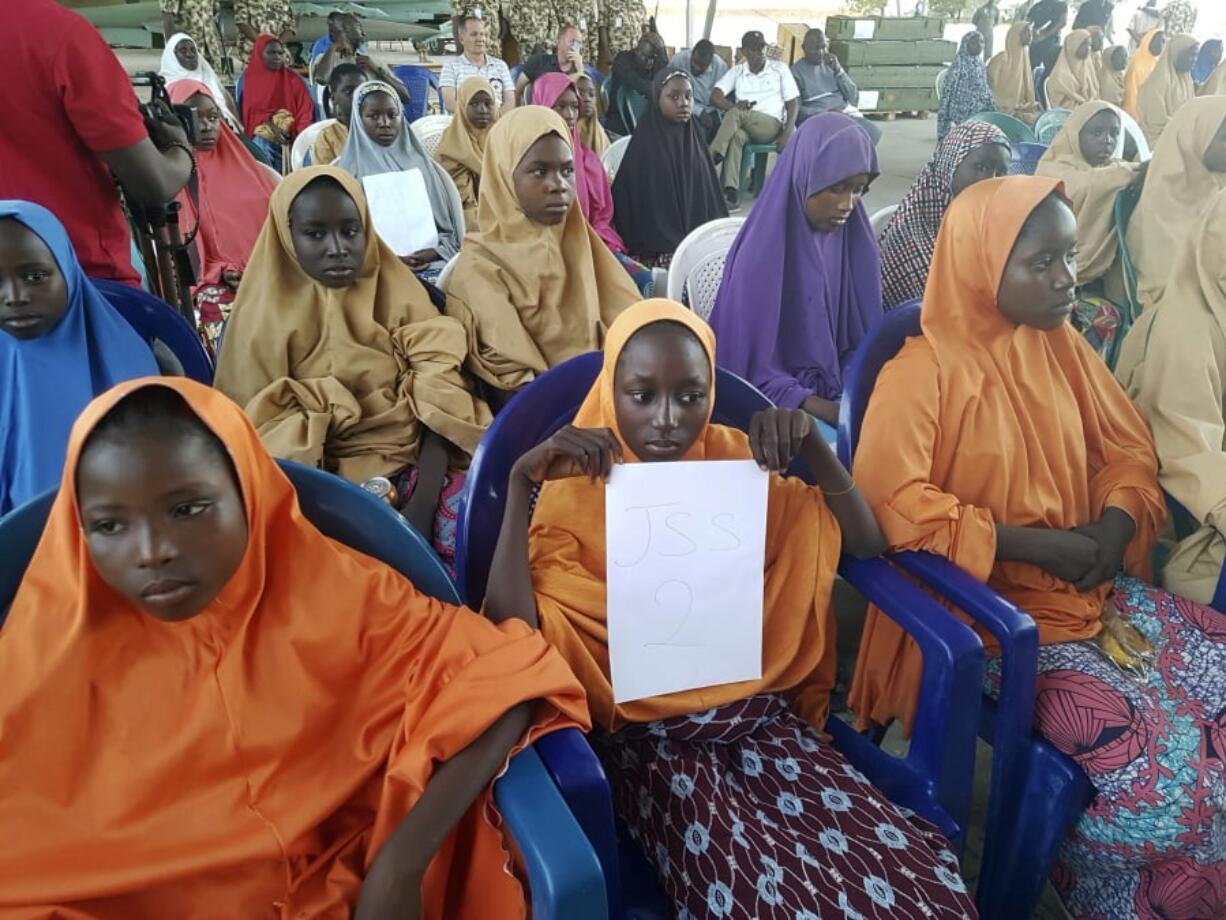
(671, 759)
(213, 710)
(1000, 440)
(1141, 66)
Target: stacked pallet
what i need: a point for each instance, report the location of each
(894, 61)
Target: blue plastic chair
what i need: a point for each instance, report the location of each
(419, 82)
(934, 779)
(1037, 792)
(596, 76)
(153, 318)
(1040, 85)
(564, 875)
(1186, 524)
(1026, 158)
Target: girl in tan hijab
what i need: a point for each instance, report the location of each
(1011, 77)
(1216, 84)
(591, 131)
(1173, 365)
(1073, 81)
(1111, 68)
(1187, 169)
(536, 285)
(339, 358)
(462, 145)
(1168, 87)
(1086, 157)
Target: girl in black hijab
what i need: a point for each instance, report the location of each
(667, 184)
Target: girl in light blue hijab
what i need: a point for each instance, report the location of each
(61, 344)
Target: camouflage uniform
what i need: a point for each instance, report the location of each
(633, 16)
(198, 18)
(533, 25)
(489, 16)
(267, 17)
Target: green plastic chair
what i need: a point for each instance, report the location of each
(754, 158)
(1016, 131)
(1125, 204)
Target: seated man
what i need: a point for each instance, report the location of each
(705, 68)
(346, 78)
(637, 68)
(566, 58)
(473, 61)
(824, 85)
(348, 47)
(764, 112)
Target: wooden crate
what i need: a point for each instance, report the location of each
(791, 37)
(884, 53)
(914, 99)
(895, 77)
(884, 28)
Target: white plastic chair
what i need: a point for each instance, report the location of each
(429, 130)
(702, 284)
(880, 219)
(1133, 130)
(304, 141)
(445, 274)
(276, 176)
(612, 158)
(713, 236)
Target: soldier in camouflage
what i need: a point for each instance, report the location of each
(197, 18)
(262, 17)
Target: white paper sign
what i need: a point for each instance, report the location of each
(400, 210)
(686, 549)
(868, 100)
(865, 29)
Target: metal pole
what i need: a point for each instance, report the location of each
(710, 23)
(689, 22)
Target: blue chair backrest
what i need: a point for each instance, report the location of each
(875, 349)
(418, 81)
(338, 508)
(153, 318)
(542, 408)
(1026, 158)
(596, 76)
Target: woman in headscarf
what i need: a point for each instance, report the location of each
(260, 721)
(1011, 77)
(233, 203)
(557, 92)
(1111, 70)
(1207, 61)
(667, 184)
(1168, 88)
(1188, 168)
(1141, 66)
(1173, 365)
(965, 91)
(670, 757)
(61, 344)
(971, 152)
(277, 104)
(1215, 83)
(1073, 81)
(462, 145)
(997, 438)
(181, 60)
(802, 281)
(336, 353)
(1087, 157)
(380, 141)
(591, 131)
(536, 285)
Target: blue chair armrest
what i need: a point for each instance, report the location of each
(1013, 721)
(581, 780)
(564, 875)
(934, 779)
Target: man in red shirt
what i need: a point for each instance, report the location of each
(78, 117)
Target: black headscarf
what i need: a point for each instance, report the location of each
(667, 184)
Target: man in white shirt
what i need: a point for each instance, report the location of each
(474, 62)
(767, 100)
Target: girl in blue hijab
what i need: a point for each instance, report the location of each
(61, 344)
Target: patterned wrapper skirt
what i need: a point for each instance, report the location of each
(745, 813)
(1152, 844)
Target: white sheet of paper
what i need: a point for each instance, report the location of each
(686, 550)
(868, 100)
(400, 210)
(865, 29)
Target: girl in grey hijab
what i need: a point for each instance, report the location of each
(380, 141)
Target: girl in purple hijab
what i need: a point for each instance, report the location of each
(802, 282)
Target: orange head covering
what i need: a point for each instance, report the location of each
(1139, 69)
(567, 553)
(980, 421)
(254, 758)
